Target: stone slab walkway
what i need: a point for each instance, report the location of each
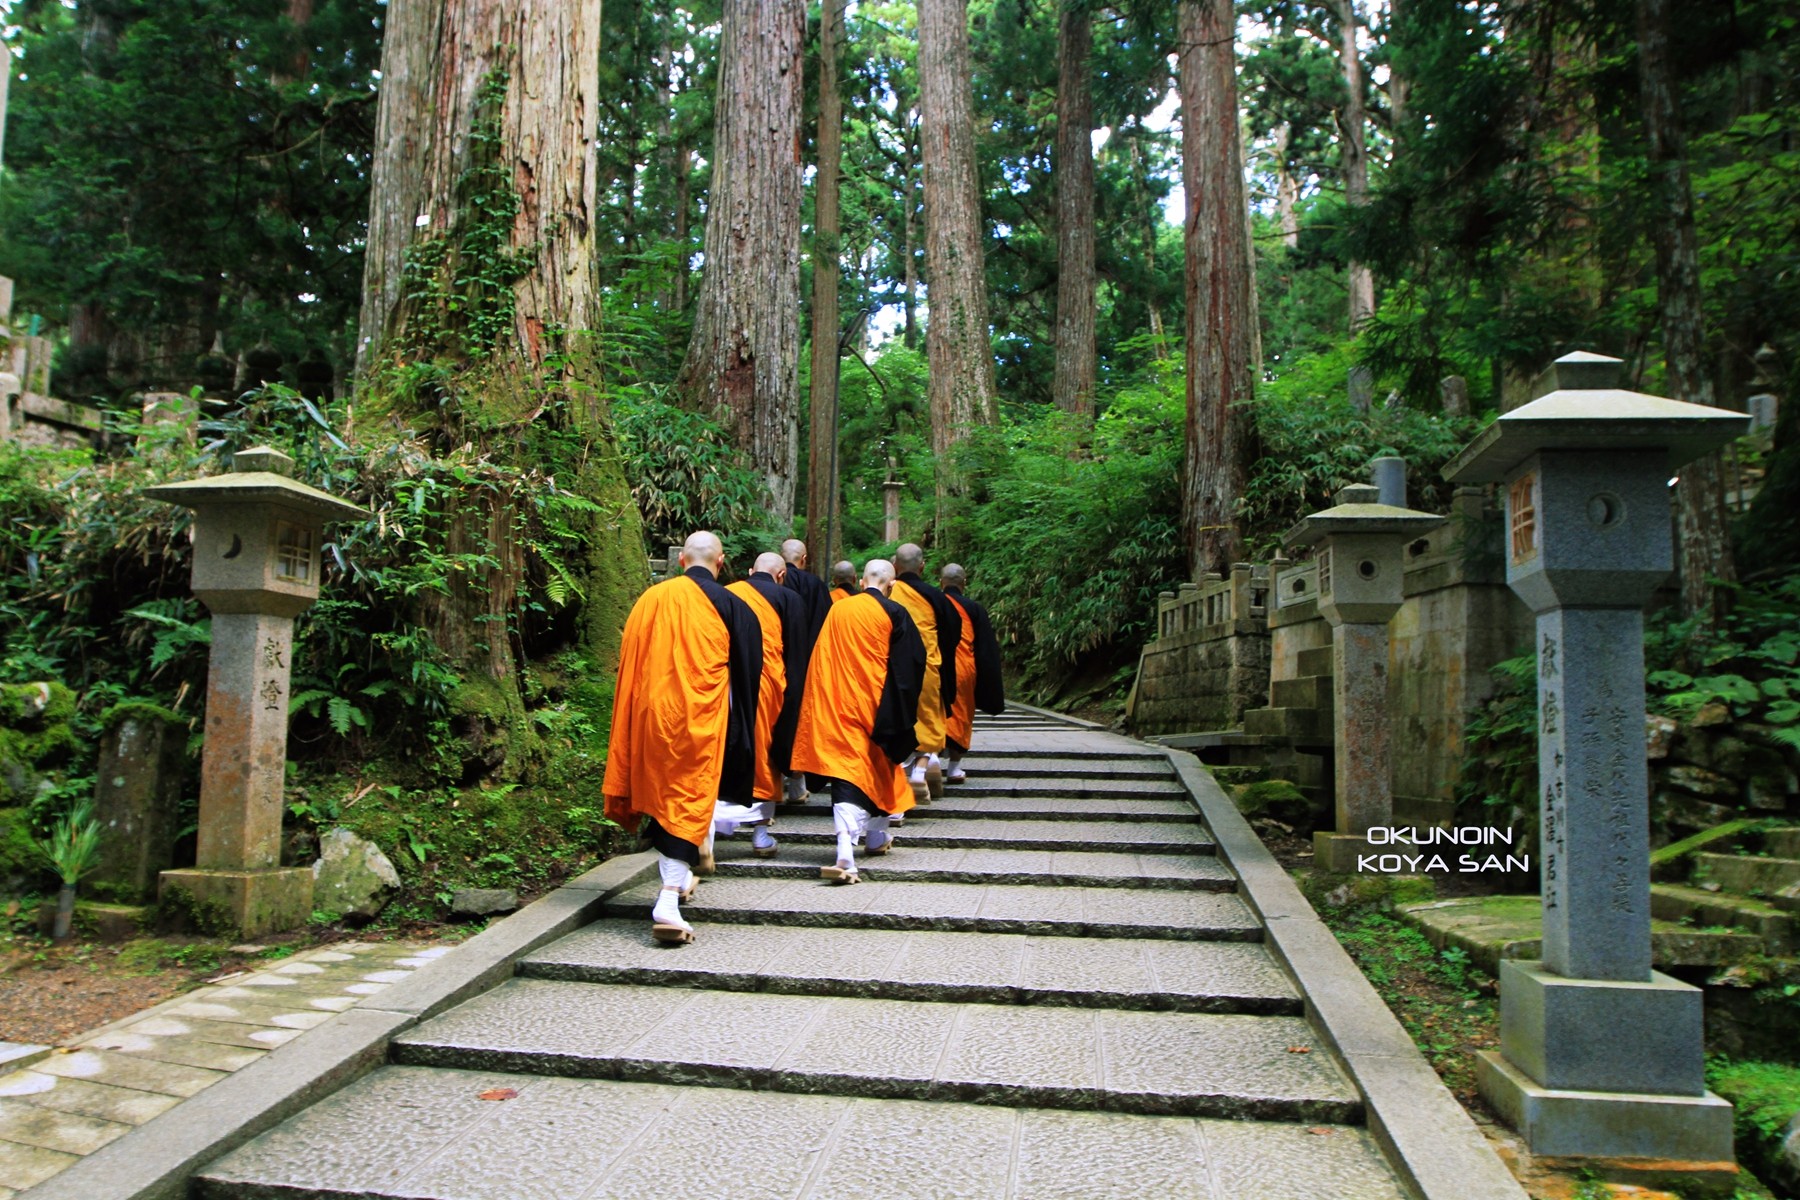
(1050, 989)
(79, 1097)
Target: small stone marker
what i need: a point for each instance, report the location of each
(1600, 1055)
(137, 801)
(1360, 544)
(256, 566)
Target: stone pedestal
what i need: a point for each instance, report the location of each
(254, 902)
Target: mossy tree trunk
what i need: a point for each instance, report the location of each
(479, 310)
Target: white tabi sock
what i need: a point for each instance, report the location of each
(878, 835)
(727, 817)
(849, 820)
(766, 809)
(917, 773)
(762, 839)
(674, 874)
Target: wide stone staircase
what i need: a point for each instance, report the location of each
(1742, 876)
(1049, 989)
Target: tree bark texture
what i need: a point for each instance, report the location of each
(743, 358)
(1287, 189)
(1221, 310)
(1076, 356)
(1353, 127)
(958, 350)
(821, 471)
(1705, 551)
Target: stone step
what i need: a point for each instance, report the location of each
(961, 907)
(1306, 725)
(1063, 868)
(983, 767)
(986, 968)
(1092, 786)
(1747, 874)
(1186, 1064)
(1057, 751)
(1309, 691)
(958, 803)
(407, 1132)
(1782, 843)
(1038, 743)
(1701, 908)
(812, 826)
(1315, 661)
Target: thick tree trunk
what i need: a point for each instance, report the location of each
(961, 389)
(1356, 159)
(1704, 524)
(910, 268)
(1399, 82)
(1076, 359)
(489, 106)
(743, 358)
(684, 174)
(1221, 308)
(1287, 189)
(821, 470)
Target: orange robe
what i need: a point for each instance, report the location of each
(772, 689)
(680, 737)
(852, 673)
(930, 727)
(959, 724)
(840, 594)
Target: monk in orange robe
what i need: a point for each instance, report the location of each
(781, 614)
(684, 716)
(978, 680)
(857, 718)
(843, 582)
(940, 625)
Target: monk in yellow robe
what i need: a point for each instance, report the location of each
(940, 625)
(857, 718)
(843, 581)
(684, 716)
(781, 614)
(978, 680)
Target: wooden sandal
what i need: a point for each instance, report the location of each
(934, 781)
(837, 874)
(669, 932)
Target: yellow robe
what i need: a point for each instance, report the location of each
(960, 723)
(843, 691)
(772, 688)
(930, 725)
(667, 745)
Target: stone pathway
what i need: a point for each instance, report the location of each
(1049, 990)
(75, 1099)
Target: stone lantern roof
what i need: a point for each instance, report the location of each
(1358, 510)
(1580, 406)
(258, 475)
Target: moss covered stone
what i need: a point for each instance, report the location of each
(37, 734)
(1277, 799)
(22, 868)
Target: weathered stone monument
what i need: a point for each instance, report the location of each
(1359, 554)
(891, 489)
(256, 566)
(1600, 1056)
(137, 801)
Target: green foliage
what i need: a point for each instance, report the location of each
(1749, 661)
(73, 848)
(686, 475)
(1499, 771)
(1764, 1098)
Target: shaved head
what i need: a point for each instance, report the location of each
(702, 549)
(770, 563)
(878, 573)
(953, 576)
(909, 559)
(843, 575)
(794, 551)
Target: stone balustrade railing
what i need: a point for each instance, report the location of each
(1215, 604)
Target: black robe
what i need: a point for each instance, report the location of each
(949, 633)
(899, 707)
(737, 775)
(990, 686)
(796, 653)
(814, 594)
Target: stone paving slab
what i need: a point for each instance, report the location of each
(965, 908)
(563, 1139)
(812, 825)
(1133, 973)
(1065, 868)
(23, 1166)
(1058, 808)
(1196, 1064)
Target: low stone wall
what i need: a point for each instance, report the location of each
(1210, 661)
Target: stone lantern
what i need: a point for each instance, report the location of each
(1600, 1056)
(257, 536)
(1360, 554)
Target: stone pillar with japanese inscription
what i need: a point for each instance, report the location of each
(257, 538)
(1600, 1056)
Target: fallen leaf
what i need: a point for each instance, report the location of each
(1322, 1130)
(1299, 1049)
(498, 1094)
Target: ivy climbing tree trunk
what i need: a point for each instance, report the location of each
(958, 353)
(480, 262)
(1704, 525)
(821, 473)
(743, 357)
(1076, 359)
(1221, 297)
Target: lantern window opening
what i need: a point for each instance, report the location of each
(1521, 504)
(294, 553)
(1324, 570)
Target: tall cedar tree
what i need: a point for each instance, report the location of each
(742, 360)
(1354, 127)
(821, 476)
(1705, 541)
(480, 257)
(1221, 304)
(961, 389)
(1076, 362)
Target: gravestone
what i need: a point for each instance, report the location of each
(257, 536)
(1359, 545)
(891, 509)
(1361, 385)
(1388, 474)
(1454, 392)
(1600, 1056)
(137, 802)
